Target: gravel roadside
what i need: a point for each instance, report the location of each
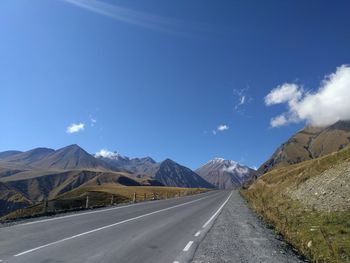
(238, 235)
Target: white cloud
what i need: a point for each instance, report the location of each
(75, 127)
(284, 93)
(278, 121)
(110, 155)
(329, 104)
(106, 154)
(223, 127)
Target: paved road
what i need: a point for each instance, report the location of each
(158, 231)
(239, 236)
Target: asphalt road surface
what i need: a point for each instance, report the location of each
(157, 231)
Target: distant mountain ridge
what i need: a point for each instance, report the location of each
(139, 166)
(31, 176)
(72, 157)
(67, 158)
(29, 157)
(167, 172)
(309, 143)
(6, 154)
(226, 174)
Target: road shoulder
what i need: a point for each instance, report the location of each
(238, 235)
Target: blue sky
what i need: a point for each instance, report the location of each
(158, 78)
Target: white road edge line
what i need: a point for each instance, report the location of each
(108, 226)
(176, 262)
(187, 247)
(74, 215)
(197, 234)
(217, 212)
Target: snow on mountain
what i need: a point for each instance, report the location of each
(226, 174)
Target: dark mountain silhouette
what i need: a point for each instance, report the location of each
(171, 173)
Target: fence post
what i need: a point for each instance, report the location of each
(87, 202)
(134, 198)
(45, 205)
(144, 196)
(112, 199)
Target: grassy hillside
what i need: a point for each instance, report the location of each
(100, 196)
(309, 143)
(309, 204)
(39, 185)
(11, 199)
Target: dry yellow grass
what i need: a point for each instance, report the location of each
(142, 192)
(99, 196)
(321, 236)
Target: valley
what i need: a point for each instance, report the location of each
(174, 131)
(302, 191)
(29, 178)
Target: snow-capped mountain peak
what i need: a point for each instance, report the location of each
(110, 155)
(217, 159)
(226, 174)
(223, 162)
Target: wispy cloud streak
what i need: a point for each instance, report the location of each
(126, 15)
(242, 98)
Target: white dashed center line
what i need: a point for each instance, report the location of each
(187, 247)
(197, 234)
(109, 226)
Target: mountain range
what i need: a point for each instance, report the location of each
(32, 176)
(220, 173)
(167, 172)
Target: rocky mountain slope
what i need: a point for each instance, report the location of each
(171, 173)
(309, 143)
(11, 199)
(226, 174)
(309, 203)
(167, 172)
(141, 167)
